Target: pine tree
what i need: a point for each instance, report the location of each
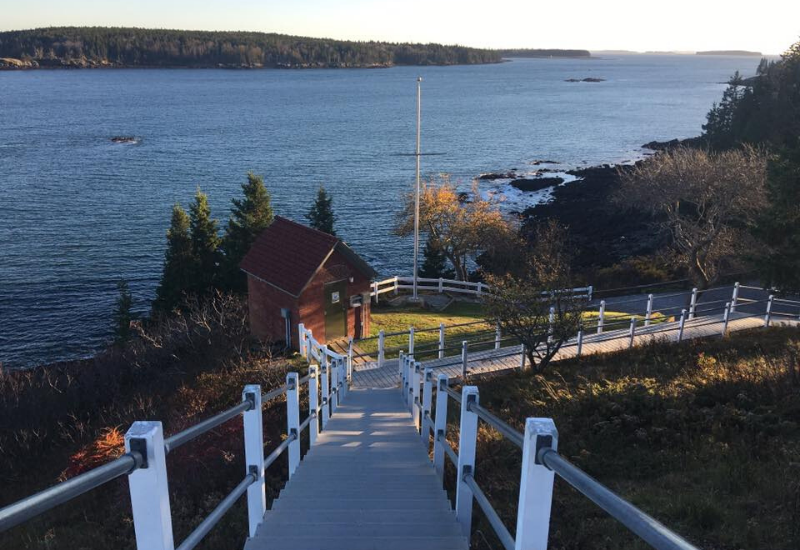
(122, 314)
(435, 264)
(179, 264)
(321, 215)
(249, 217)
(205, 244)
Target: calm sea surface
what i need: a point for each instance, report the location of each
(78, 212)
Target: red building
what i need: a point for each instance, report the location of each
(296, 274)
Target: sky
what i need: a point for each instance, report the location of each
(768, 26)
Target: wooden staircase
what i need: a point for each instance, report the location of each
(367, 484)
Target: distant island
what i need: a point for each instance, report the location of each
(544, 53)
(731, 52)
(98, 47)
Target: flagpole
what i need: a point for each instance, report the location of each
(416, 200)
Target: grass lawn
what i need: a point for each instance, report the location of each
(480, 336)
(703, 435)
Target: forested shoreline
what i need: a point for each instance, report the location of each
(96, 47)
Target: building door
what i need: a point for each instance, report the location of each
(357, 316)
(335, 312)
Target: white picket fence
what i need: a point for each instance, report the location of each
(441, 285)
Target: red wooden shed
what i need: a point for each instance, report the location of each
(296, 274)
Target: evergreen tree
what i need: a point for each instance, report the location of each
(435, 263)
(249, 217)
(205, 244)
(321, 215)
(122, 314)
(179, 264)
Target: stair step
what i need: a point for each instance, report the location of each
(389, 503)
(412, 517)
(357, 543)
(409, 491)
(397, 528)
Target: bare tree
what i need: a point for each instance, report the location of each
(462, 227)
(707, 201)
(538, 307)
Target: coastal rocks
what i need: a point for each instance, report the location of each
(536, 184)
(491, 176)
(125, 139)
(12, 63)
(589, 79)
(673, 144)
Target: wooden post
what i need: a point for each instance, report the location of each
(768, 315)
(313, 404)
(725, 318)
(440, 426)
(497, 336)
(254, 457)
(681, 325)
(381, 355)
(601, 316)
(535, 486)
(649, 310)
(293, 421)
(580, 342)
(693, 303)
(633, 331)
(468, 435)
(152, 518)
(411, 340)
(734, 297)
(441, 340)
(464, 359)
(427, 400)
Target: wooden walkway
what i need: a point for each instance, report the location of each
(371, 376)
(367, 484)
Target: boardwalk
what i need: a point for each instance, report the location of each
(367, 484)
(371, 376)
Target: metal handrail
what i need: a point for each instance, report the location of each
(510, 433)
(448, 449)
(494, 520)
(213, 518)
(646, 527)
(270, 395)
(454, 395)
(278, 450)
(181, 438)
(30, 507)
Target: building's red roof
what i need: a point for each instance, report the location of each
(288, 254)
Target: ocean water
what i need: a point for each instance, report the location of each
(78, 212)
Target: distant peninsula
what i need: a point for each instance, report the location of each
(110, 47)
(731, 52)
(544, 53)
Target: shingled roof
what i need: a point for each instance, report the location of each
(287, 255)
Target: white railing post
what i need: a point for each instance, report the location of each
(497, 336)
(725, 318)
(400, 370)
(375, 291)
(416, 405)
(480, 288)
(468, 435)
(334, 385)
(326, 394)
(152, 518)
(601, 316)
(411, 340)
(535, 486)
(381, 340)
(734, 297)
(768, 315)
(441, 340)
(633, 331)
(343, 381)
(522, 357)
(441, 285)
(350, 357)
(550, 322)
(590, 292)
(580, 342)
(254, 457)
(410, 390)
(692, 303)
(440, 426)
(301, 339)
(396, 286)
(649, 313)
(293, 421)
(427, 400)
(681, 325)
(404, 377)
(313, 404)
(464, 360)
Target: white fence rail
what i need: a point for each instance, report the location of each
(146, 450)
(540, 463)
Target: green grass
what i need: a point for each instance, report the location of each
(480, 336)
(703, 435)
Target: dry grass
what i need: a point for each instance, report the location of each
(704, 436)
